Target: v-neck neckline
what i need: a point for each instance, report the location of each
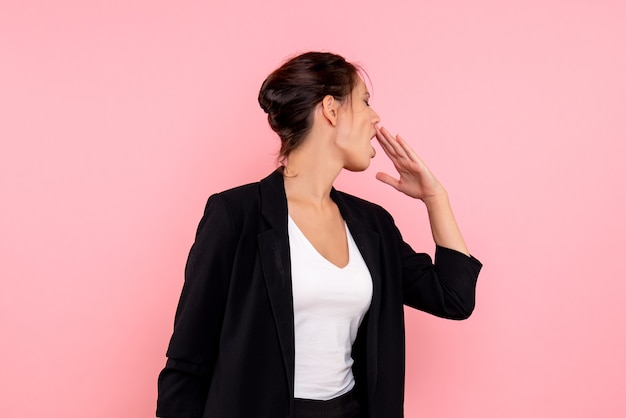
(315, 251)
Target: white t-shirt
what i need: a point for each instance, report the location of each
(329, 305)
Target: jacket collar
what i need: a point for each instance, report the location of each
(274, 200)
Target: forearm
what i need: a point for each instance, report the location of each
(444, 227)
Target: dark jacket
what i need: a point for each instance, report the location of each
(232, 351)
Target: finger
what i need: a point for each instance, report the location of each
(408, 150)
(419, 164)
(393, 141)
(387, 179)
(411, 154)
(385, 144)
(387, 148)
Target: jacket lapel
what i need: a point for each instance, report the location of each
(276, 265)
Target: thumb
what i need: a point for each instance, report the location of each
(387, 179)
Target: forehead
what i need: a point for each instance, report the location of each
(360, 87)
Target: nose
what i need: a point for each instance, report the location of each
(375, 117)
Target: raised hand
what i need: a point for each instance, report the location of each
(415, 180)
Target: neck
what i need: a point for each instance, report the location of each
(309, 174)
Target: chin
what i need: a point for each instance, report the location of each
(362, 166)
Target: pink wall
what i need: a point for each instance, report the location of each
(118, 119)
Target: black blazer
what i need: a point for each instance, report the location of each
(232, 351)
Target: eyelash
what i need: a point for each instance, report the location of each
(367, 103)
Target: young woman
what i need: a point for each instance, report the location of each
(294, 292)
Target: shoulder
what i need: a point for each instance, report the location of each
(248, 195)
(248, 202)
(251, 192)
(238, 196)
(232, 207)
(353, 206)
(357, 202)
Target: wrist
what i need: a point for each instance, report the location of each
(437, 200)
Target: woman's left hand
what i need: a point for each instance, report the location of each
(415, 180)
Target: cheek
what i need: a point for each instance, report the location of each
(348, 131)
(366, 127)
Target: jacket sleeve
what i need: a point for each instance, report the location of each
(446, 288)
(183, 383)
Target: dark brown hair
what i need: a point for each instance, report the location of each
(291, 92)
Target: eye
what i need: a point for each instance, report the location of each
(367, 102)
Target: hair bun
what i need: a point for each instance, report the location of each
(265, 105)
(267, 96)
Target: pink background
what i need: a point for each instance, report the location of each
(119, 118)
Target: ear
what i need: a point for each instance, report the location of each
(330, 109)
